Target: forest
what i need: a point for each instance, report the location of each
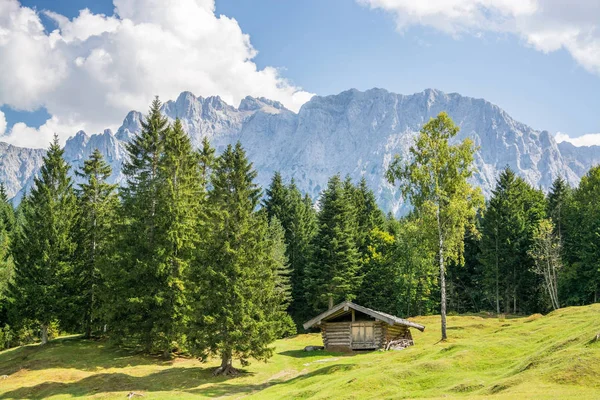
(190, 256)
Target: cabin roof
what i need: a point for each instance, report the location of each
(343, 308)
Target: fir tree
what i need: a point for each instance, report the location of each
(159, 211)
(283, 287)
(180, 188)
(333, 273)
(235, 279)
(298, 218)
(43, 248)
(97, 206)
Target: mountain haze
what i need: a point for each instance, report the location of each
(353, 133)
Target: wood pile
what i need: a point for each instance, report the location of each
(398, 344)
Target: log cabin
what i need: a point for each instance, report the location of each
(348, 327)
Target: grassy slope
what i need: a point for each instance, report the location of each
(535, 357)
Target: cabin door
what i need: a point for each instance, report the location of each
(363, 336)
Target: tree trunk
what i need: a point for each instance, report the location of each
(497, 277)
(442, 277)
(44, 334)
(330, 302)
(226, 368)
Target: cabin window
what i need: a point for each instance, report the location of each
(362, 335)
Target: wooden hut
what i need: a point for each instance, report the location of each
(348, 326)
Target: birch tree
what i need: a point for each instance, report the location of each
(435, 181)
(545, 252)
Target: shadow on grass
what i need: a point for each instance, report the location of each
(175, 379)
(316, 353)
(231, 387)
(72, 352)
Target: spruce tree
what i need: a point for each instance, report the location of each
(333, 272)
(298, 219)
(368, 214)
(283, 287)
(558, 197)
(159, 233)
(43, 248)
(97, 207)
(235, 278)
(508, 226)
(180, 188)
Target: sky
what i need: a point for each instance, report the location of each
(83, 64)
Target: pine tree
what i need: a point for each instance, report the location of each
(333, 272)
(180, 188)
(298, 219)
(283, 287)
(235, 279)
(512, 215)
(581, 236)
(7, 222)
(43, 248)
(160, 213)
(97, 206)
(207, 161)
(368, 214)
(558, 197)
(276, 203)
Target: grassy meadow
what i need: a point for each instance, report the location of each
(536, 357)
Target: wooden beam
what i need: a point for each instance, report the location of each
(353, 317)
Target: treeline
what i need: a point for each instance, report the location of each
(190, 256)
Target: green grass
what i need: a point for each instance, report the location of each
(537, 357)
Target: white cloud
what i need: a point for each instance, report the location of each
(2, 123)
(93, 69)
(590, 139)
(546, 25)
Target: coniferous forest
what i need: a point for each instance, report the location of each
(190, 256)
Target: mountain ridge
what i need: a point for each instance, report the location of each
(353, 133)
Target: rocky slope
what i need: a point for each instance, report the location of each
(353, 133)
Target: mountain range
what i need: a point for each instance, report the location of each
(353, 133)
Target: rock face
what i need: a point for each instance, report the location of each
(353, 133)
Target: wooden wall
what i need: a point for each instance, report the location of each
(337, 336)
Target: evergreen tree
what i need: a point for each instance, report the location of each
(283, 287)
(298, 219)
(159, 234)
(235, 281)
(207, 161)
(436, 182)
(43, 248)
(333, 272)
(558, 197)
(510, 220)
(180, 187)
(368, 214)
(581, 233)
(97, 206)
(7, 222)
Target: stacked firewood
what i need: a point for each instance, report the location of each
(398, 344)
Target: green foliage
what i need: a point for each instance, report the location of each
(159, 217)
(97, 206)
(512, 215)
(298, 219)
(435, 180)
(333, 274)
(43, 248)
(239, 275)
(581, 242)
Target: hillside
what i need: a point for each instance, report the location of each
(541, 357)
(352, 133)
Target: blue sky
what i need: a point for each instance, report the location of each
(325, 47)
